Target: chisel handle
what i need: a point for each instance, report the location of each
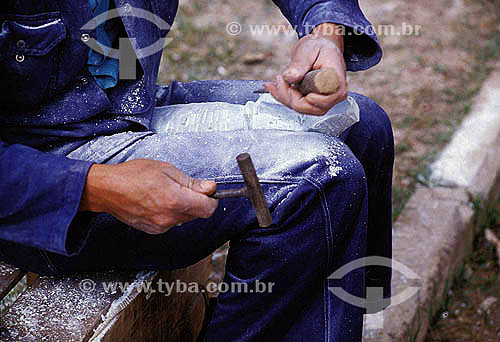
(322, 81)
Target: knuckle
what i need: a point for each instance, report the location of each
(342, 93)
(210, 209)
(206, 213)
(173, 201)
(157, 222)
(190, 182)
(161, 222)
(187, 181)
(155, 231)
(152, 229)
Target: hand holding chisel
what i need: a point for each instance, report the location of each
(322, 81)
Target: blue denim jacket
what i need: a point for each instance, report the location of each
(48, 96)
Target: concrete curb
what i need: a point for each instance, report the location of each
(435, 231)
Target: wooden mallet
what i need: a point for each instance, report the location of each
(252, 190)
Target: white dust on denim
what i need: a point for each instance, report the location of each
(134, 101)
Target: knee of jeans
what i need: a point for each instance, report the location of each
(374, 119)
(331, 161)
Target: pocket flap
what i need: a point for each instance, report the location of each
(33, 35)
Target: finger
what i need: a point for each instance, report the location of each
(295, 71)
(276, 91)
(179, 220)
(205, 187)
(202, 186)
(272, 89)
(269, 85)
(302, 62)
(325, 101)
(192, 203)
(186, 200)
(284, 91)
(292, 98)
(177, 175)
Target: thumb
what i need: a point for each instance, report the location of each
(205, 187)
(295, 71)
(201, 186)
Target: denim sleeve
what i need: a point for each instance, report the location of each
(40, 196)
(362, 49)
(3, 39)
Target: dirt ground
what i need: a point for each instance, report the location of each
(425, 82)
(471, 311)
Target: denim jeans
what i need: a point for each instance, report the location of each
(330, 200)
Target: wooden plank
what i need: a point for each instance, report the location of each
(9, 277)
(31, 277)
(54, 309)
(158, 316)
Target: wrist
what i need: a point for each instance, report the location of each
(330, 31)
(94, 188)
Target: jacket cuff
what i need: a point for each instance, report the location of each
(361, 47)
(74, 229)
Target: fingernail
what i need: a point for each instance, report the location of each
(206, 185)
(281, 79)
(292, 72)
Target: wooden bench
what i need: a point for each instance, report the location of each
(65, 309)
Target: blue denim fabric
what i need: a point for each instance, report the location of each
(51, 103)
(50, 100)
(323, 218)
(371, 140)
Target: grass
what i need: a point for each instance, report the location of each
(458, 317)
(459, 102)
(441, 123)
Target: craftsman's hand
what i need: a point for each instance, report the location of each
(148, 195)
(323, 48)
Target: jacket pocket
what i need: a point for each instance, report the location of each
(29, 58)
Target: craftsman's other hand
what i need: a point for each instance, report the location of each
(323, 48)
(149, 195)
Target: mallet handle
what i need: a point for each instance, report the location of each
(230, 193)
(254, 190)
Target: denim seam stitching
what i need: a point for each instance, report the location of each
(232, 179)
(329, 237)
